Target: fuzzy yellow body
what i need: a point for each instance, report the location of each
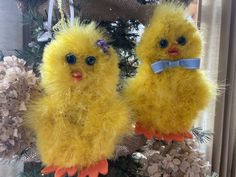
(168, 102)
(78, 122)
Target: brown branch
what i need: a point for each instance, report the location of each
(110, 10)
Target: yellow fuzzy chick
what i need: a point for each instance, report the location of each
(81, 117)
(167, 99)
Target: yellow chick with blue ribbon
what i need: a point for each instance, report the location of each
(169, 89)
(81, 117)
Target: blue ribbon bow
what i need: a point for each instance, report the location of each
(190, 63)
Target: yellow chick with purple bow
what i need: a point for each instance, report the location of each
(81, 117)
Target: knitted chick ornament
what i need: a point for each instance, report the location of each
(81, 118)
(169, 89)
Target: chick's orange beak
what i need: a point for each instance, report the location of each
(77, 76)
(173, 51)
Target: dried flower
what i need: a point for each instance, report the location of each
(17, 83)
(173, 160)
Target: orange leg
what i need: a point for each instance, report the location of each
(139, 130)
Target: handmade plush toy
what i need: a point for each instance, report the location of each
(169, 89)
(81, 118)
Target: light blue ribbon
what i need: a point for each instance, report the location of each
(190, 63)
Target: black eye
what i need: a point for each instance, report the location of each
(163, 43)
(182, 40)
(70, 59)
(90, 60)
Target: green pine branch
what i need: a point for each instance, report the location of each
(201, 135)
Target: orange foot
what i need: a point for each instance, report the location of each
(174, 137)
(60, 172)
(92, 171)
(179, 137)
(139, 130)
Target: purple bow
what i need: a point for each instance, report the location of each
(103, 45)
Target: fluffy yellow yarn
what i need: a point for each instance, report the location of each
(78, 123)
(168, 102)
